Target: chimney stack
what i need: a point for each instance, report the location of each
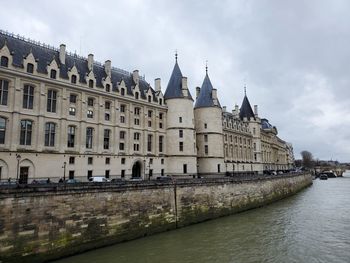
(198, 90)
(236, 111)
(135, 76)
(256, 110)
(90, 62)
(157, 86)
(108, 68)
(62, 54)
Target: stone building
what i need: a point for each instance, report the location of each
(63, 115)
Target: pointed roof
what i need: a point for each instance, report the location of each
(205, 98)
(246, 109)
(174, 88)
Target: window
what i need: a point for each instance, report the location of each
(137, 111)
(91, 102)
(108, 160)
(122, 91)
(90, 114)
(136, 136)
(53, 74)
(181, 146)
(28, 97)
(107, 116)
(26, 132)
(71, 174)
(122, 161)
(206, 150)
(106, 135)
(89, 174)
(2, 130)
(74, 79)
(107, 173)
(4, 61)
(122, 108)
(161, 161)
(89, 137)
(150, 160)
(205, 125)
(150, 172)
(51, 100)
(122, 135)
(107, 105)
(136, 95)
(218, 168)
(149, 114)
(160, 102)
(161, 143)
(149, 98)
(160, 125)
(50, 131)
(181, 133)
(184, 168)
(149, 143)
(73, 98)
(136, 147)
(149, 123)
(90, 160)
(137, 121)
(30, 68)
(71, 136)
(72, 111)
(162, 172)
(180, 119)
(122, 173)
(121, 146)
(108, 87)
(71, 160)
(91, 83)
(4, 89)
(205, 138)
(161, 116)
(122, 119)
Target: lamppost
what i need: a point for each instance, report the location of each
(149, 170)
(64, 172)
(144, 168)
(18, 157)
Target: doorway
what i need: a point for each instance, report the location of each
(136, 169)
(23, 175)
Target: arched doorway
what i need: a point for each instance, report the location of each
(136, 169)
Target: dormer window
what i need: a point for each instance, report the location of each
(108, 88)
(74, 79)
(160, 102)
(91, 83)
(4, 61)
(149, 98)
(122, 91)
(136, 95)
(53, 74)
(30, 68)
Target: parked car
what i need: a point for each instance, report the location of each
(163, 178)
(41, 181)
(72, 181)
(135, 179)
(117, 180)
(99, 179)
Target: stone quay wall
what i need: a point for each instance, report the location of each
(44, 223)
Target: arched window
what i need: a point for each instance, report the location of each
(4, 89)
(28, 97)
(74, 79)
(30, 68)
(2, 130)
(26, 132)
(91, 83)
(4, 61)
(50, 131)
(53, 74)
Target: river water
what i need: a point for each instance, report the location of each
(311, 226)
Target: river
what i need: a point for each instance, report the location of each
(311, 226)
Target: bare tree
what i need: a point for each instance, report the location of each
(307, 159)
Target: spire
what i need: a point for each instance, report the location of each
(246, 110)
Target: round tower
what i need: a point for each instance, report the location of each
(209, 134)
(180, 133)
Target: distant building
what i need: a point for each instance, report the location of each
(62, 114)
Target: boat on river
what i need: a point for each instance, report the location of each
(330, 174)
(323, 176)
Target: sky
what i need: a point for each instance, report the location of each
(293, 55)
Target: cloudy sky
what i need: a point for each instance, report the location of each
(293, 56)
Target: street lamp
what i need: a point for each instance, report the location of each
(18, 157)
(64, 171)
(144, 168)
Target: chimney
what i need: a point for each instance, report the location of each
(224, 108)
(157, 86)
(90, 62)
(184, 87)
(62, 54)
(256, 110)
(198, 90)
(235, 112)
(108, 68)
(135, 76)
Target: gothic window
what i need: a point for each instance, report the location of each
(122, 91)
(4, 61)
(30, 68)
(108, 87)
(149, 98)
(28, 97)
(4, 89)
(89, 137)
(136, 95)
(50, 131)
(51, 100)
(26, 132)
(160, 102)
(2, 130)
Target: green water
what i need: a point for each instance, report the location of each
(312, 226)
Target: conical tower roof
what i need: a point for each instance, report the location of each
(246, 109)
(205, 98)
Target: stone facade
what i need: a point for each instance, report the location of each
(47, 223)
(62, 115)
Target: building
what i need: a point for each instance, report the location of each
(63, 115)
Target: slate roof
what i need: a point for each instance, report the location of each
(246, 109)
(205, 95)
(174, 88)
(21, 48)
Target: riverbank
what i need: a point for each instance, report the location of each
(38, 225)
